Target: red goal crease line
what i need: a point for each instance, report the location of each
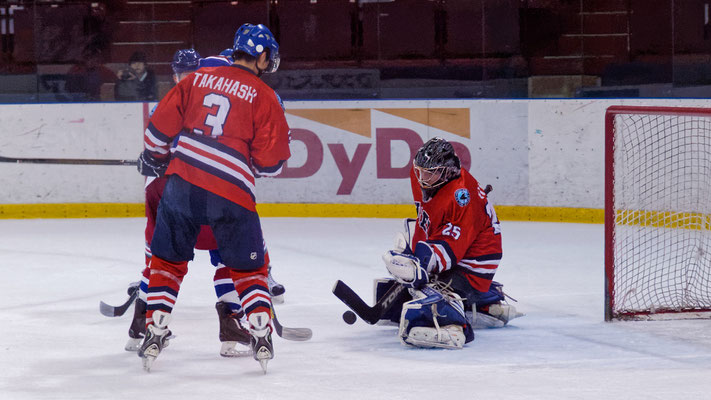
(664, 219)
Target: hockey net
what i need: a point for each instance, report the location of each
(657, 213)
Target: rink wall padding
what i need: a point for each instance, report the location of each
(544, 158)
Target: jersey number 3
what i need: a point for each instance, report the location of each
(214, 121)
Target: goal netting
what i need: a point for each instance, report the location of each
(657, 212)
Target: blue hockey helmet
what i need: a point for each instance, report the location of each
(227, 52)
(185, 60)
(254, 40)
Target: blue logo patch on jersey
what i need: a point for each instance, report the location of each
(462, 196)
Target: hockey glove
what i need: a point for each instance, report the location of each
(406, 269)
(150, 166)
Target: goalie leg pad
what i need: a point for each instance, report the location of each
(433, 320)
(447, 337)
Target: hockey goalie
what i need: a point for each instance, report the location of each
(446, 258)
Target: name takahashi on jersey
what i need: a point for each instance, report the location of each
(225, 85)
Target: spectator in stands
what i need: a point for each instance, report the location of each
(137, 82)
(84, 80)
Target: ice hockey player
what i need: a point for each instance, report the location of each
(450, 261)
(231, 128)
(232, 333)
(276, 289)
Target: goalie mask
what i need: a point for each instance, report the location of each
(436, 163)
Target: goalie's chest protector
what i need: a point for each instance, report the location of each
(460, 226)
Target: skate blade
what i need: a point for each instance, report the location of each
(148, 363)
(133, 344)
(236, 354)
(233, 353)
(235, 349)
(263, 355)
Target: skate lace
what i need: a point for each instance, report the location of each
(506, 296)
(445, 288)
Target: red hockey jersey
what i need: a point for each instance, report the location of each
(460, 227)
(230, 126)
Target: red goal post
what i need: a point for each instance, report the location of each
(657, 212)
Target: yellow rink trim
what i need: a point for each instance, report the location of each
(119, 210)
(663, 219)
(72, 210)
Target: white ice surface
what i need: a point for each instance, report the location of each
(54, 344)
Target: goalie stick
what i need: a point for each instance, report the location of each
(117, 311)
(67, 161)
(369, 314)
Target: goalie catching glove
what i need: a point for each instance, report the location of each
(406, 269)
(150, 166)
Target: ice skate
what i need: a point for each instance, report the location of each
(261, 332)
(276, 289)
(504, 312)
(495, 315)
(157, 336)
(235, 338)
(137, 330)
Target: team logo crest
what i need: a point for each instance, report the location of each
(423, 219)
(462, 196)
(253, 255)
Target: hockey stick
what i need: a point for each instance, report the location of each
(117, 311)
(295, 334)
(67, 161)
(369, 314)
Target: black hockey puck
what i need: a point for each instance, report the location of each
(349, 317)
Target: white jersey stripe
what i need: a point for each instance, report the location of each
(488, 271)
(221, 154)
(154, 140)
(156, 149)
(217, 165)
(269, 174)
(443, 259)
(475, 262)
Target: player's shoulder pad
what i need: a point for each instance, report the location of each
(462, 196)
